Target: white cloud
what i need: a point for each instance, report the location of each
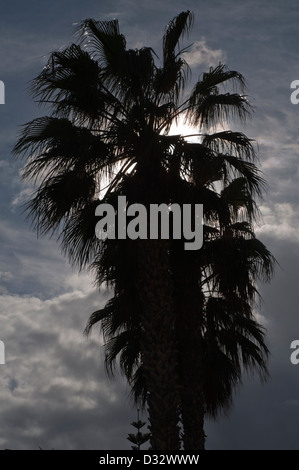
(21, 197)
(53, 377)
(281, 221)
(200, 53)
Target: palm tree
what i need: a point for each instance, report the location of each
(231, 257)
(219, 306)
(107, 134)
(222, 246)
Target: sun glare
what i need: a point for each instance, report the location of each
(193, 134)
(180, 127)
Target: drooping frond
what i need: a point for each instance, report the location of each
(248, 170)
(78, 240)
(232, 143)
(208, 103)
(124, 346)
(237, 264)
(106, 40)
(198, 163)
(98, 316)
(58, 197)
(220, 75)
(122, 332)
(207, 111)
(55, 145)
(72, 83)
(204, 167)
(242, 229)
(238, 196)
(233, 341)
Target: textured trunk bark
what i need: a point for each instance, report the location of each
(158, 348)
(192, 399)
(188, 329)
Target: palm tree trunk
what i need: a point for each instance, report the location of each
(159, 354)
(192, 400)
(189, 301)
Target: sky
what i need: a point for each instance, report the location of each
(54, 392)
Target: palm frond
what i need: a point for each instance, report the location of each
(207, 111)
(237, 195)
(57, 197)
(234, 341)
(175, 31)
(171, 78)
(256, 183)
(78, 240)
(237, 264)
(72, 83)
(55, 145)
(105, 38)
(232, 143)
(220, 75)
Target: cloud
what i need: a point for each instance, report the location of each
(5, 276)
(21, 197)
(36, 265)
(200, 53)
(281, 220)
(53, 389)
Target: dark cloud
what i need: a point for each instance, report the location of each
(266, 416)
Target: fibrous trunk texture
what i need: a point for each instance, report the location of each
(158, 346)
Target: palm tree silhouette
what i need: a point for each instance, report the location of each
(181, 322)
(215, 326)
